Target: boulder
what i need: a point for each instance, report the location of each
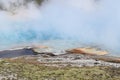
(88, 51)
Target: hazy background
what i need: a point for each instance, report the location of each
(92, 22)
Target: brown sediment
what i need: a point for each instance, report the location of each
(107, 58)
(87, 51)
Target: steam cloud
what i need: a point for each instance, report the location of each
(88, 21)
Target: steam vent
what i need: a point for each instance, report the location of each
(59, 40)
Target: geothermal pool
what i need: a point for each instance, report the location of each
(61, 24)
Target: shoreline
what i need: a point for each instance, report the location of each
(65, 59)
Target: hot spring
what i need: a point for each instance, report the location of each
(60, 23)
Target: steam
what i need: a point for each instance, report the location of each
(93, 22)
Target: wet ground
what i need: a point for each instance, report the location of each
(65, 59)
(15, 53)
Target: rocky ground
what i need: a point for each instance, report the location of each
(74, 60)
(48, 57)
(43, 64)
(60, 67)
